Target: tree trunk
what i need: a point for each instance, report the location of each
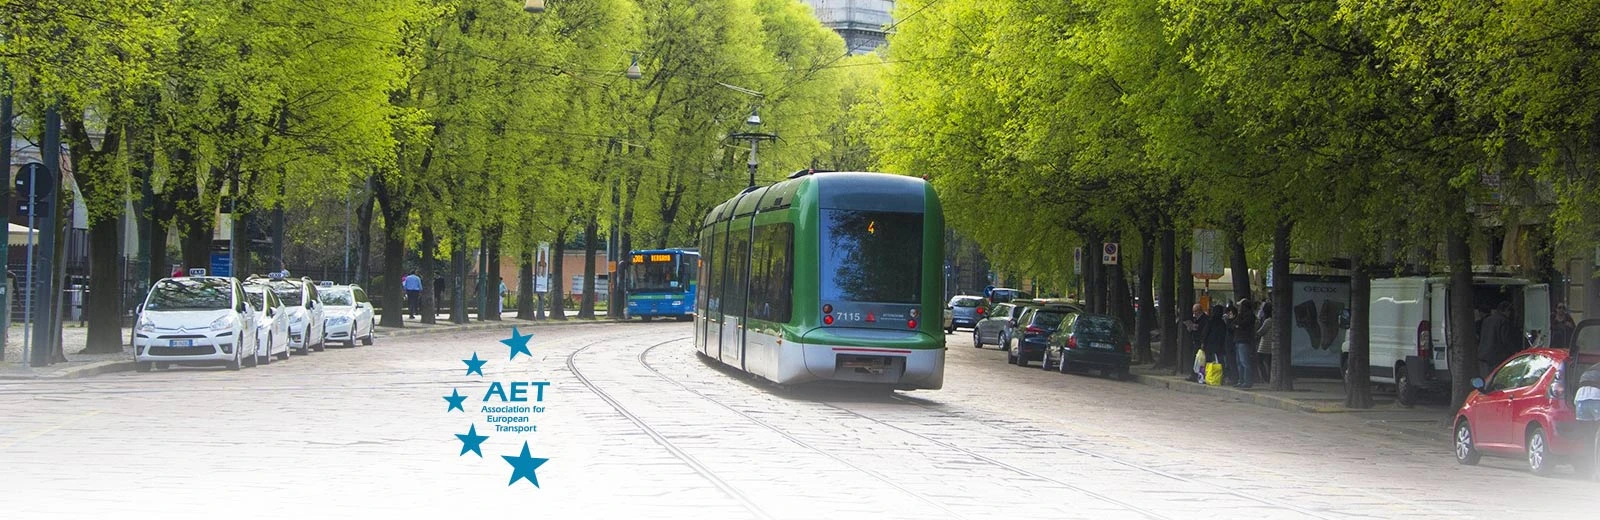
(364, 201)
(239, 247)
(1145, 319)
(1463, 338)
(1358, 386)
(525, 295)
(1282, 301)
(493, 280)
(396, 209)
(430, 305)
(1168, 308)
(1121, 304)
(1093, 296)
(1185, 308)
(590, 244)
(1240, 265)
(458, 270)
(103, 306)
(558, 282)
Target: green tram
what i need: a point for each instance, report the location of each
(826, 276)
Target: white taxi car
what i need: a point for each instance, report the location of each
(349, 314)
(203, 320)
(272, 323)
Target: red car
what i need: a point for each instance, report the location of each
(1525, 410)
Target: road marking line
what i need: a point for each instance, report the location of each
(41, 433)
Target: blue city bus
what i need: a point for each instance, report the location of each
(662, 282)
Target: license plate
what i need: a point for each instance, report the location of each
(182, 343)
(1099, 345)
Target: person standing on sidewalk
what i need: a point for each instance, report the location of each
(1266, 342)
(1215, 333)
(1561, 328)
(1193, 323)
(413, 287)
(1244, 330)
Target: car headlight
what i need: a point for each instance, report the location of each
(224, 322)
(338, 320)
(146, 325)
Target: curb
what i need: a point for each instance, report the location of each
(1281, 403)
(95, 368)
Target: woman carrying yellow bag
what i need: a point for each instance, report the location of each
(1215, 333)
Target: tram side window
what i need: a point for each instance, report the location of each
(772, 273)
(738, 265)
(719, 266)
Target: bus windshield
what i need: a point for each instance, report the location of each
(657, 276)
(871, 256)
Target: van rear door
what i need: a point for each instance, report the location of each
(1439, 318)
(1536, 312)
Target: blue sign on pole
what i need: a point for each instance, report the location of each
(221, 264)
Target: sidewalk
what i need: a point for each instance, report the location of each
(1320, 396)
(74, 336)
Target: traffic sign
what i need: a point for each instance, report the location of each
(1207, 254)
(38, 176)
(1110, 253)
(1077, 260)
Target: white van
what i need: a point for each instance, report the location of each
(1410, 330)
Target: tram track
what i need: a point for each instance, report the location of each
(1081, 451)
(1147, 513)
(694, 463)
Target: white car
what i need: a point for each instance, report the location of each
(272, 323)
(306, 321)
(349, 314)
(204, 320)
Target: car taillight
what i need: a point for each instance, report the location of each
(1558, 391)
(1033, 330)
(980, 311)
(1127, 347)
(1424, 339)
(1072, 342)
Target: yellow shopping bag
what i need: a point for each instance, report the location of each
(1214, 374)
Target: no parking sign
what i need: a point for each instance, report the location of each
(1110, 254)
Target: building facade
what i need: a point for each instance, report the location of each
(860, 22)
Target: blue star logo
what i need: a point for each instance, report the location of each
(518, 343)
(522, 466)
(471, 441)
(474, 364)
(455, 398)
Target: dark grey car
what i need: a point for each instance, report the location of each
(965, 311)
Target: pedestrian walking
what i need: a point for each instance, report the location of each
(501, 302)
(1244, 344)
(1193, 323)
(1215, 334)
(1266, 342)
(1561, 328)
(413, 287)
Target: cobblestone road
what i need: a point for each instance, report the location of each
(636, 425)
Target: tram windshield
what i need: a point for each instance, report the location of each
(871, 256)
(657, 273)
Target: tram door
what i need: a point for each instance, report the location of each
(735, 281)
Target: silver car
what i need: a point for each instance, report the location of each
(966, 311)
(991, 330)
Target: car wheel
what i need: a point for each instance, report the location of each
(1011, 355)
(1022, 360)
(1404, 391)
(1538, 448)
(322, 345)
(284, 356)
(1466, 452)
(367, 339)
(264, 358)
(1062, 365)
(250, 361)
(977, 342)
(235, 364)
(1044, 364)
(142, 366)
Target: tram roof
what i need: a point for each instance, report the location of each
(865, 190)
